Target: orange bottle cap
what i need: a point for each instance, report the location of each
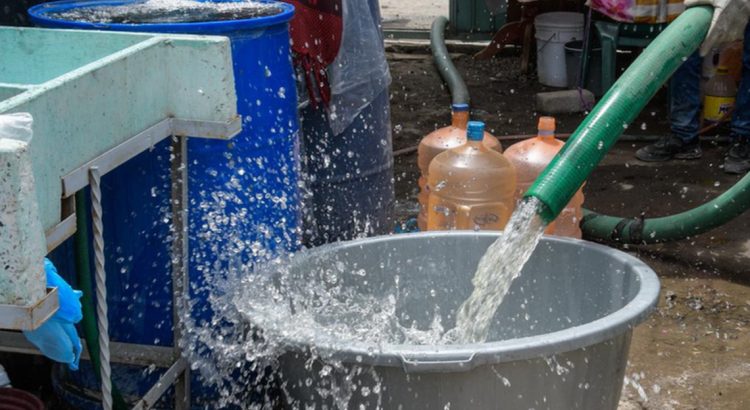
(546, 123)
(546, 126)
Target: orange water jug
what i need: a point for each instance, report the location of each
(436, 143)
(530, 157)
(471, 186)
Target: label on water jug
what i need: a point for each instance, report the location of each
(718, 109)
(485, 219)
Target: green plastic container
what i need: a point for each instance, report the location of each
(472, 16)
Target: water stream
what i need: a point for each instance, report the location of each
(497, 269)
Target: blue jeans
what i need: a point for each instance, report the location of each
(685, 103)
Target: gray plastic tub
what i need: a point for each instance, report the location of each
(560, 339)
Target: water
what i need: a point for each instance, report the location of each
(263, 311)
(168, 11)
(497, 269)
(263, 314)
(320, 305)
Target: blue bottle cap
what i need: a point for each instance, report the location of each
(459, 107)
(475, 130)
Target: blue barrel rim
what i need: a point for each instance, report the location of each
(38, 15)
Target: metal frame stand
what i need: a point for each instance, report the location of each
(178, 372)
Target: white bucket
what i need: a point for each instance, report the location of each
(553, 30)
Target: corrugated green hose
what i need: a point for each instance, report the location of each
(459, 91)
(83, 277)
(715, 213)
(602, 128)
(620, 105)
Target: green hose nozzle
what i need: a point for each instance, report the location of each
(618, 108)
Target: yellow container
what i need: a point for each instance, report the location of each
(719, 101)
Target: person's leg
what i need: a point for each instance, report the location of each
(738, 159)
(685, 99)
(741, 116)
(684, 115)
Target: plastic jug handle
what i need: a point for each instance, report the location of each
(460, 362)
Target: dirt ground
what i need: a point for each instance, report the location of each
(692, 353)
(413, 14)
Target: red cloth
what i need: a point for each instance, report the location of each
(316, 38)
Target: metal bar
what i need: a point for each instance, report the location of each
(161, 386)
(128, 353)
(179, 179)
(141, 355)
(13, 317)
(90, 174)
(61, 232)
(15, 342)
(101, 287)
(207, 129)
(78, 178)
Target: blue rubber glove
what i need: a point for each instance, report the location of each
(57, 338)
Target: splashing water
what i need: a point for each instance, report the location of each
(319, 306)
(497, 269)
(262, 313)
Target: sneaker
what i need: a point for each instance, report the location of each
(738, 158)
(670, 147)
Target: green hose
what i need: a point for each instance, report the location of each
(714, 213)
(620, 105)
(603, 127)
(459, 91)
(83, 268)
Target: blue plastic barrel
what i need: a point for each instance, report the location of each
(252, 179)
(351, 174)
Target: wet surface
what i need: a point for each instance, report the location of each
(693, 351)
(159, 11)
